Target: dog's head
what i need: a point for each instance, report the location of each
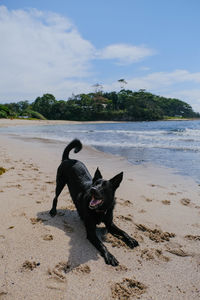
(102, 191)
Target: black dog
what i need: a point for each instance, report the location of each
(93, 198)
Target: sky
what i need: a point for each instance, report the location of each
(66, 47)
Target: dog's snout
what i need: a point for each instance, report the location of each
(93, 190)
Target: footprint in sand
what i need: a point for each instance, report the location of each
(121, 268)
(29, 265)
(47, 237)
(67, 227)
(172, 194)
(35, 221)
(191, 237)
(177, 250)
(82, 269)
(127, 289)
(185, 201)
(57, 276)
(148, 199)
(142, 211)
(125, 202)
(59, 272)
(166, 202)
(149, 254)
(156, 185)
(156, 235)
(196, 225)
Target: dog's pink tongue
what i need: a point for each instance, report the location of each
(94, 202)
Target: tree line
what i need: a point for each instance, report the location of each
(125, 105)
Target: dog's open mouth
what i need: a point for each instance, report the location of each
(95, 203)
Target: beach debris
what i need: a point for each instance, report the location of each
(11, 227)
(127, 289)
(2, 170)
(156, 235)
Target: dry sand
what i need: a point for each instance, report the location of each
(50, 258)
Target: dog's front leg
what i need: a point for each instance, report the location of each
(114, 230)
(92, 237)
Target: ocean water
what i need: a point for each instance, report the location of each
(174, 144)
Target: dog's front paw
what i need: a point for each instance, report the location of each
(132, 243)
(111, 260)
(53, 212)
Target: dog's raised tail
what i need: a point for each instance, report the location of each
(75, 144)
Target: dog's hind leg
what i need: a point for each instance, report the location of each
(59, 187)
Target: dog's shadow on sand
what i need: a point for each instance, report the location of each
(81, 250)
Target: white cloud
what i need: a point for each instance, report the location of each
(125, 54)
(43, 51)
(39, 51)
(159, 80)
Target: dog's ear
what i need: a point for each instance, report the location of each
(97, 175)
(116, 180)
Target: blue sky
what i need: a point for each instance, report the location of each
(67, 46)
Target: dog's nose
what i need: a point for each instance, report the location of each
(93, 190)
(95, 193)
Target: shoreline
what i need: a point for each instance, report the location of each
(156, 207)
(24, 122)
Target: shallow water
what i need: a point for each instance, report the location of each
(174, 144)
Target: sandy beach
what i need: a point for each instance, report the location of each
(50, 258)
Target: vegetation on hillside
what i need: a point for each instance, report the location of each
(125, 105)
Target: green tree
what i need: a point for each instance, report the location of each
(44, 105)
